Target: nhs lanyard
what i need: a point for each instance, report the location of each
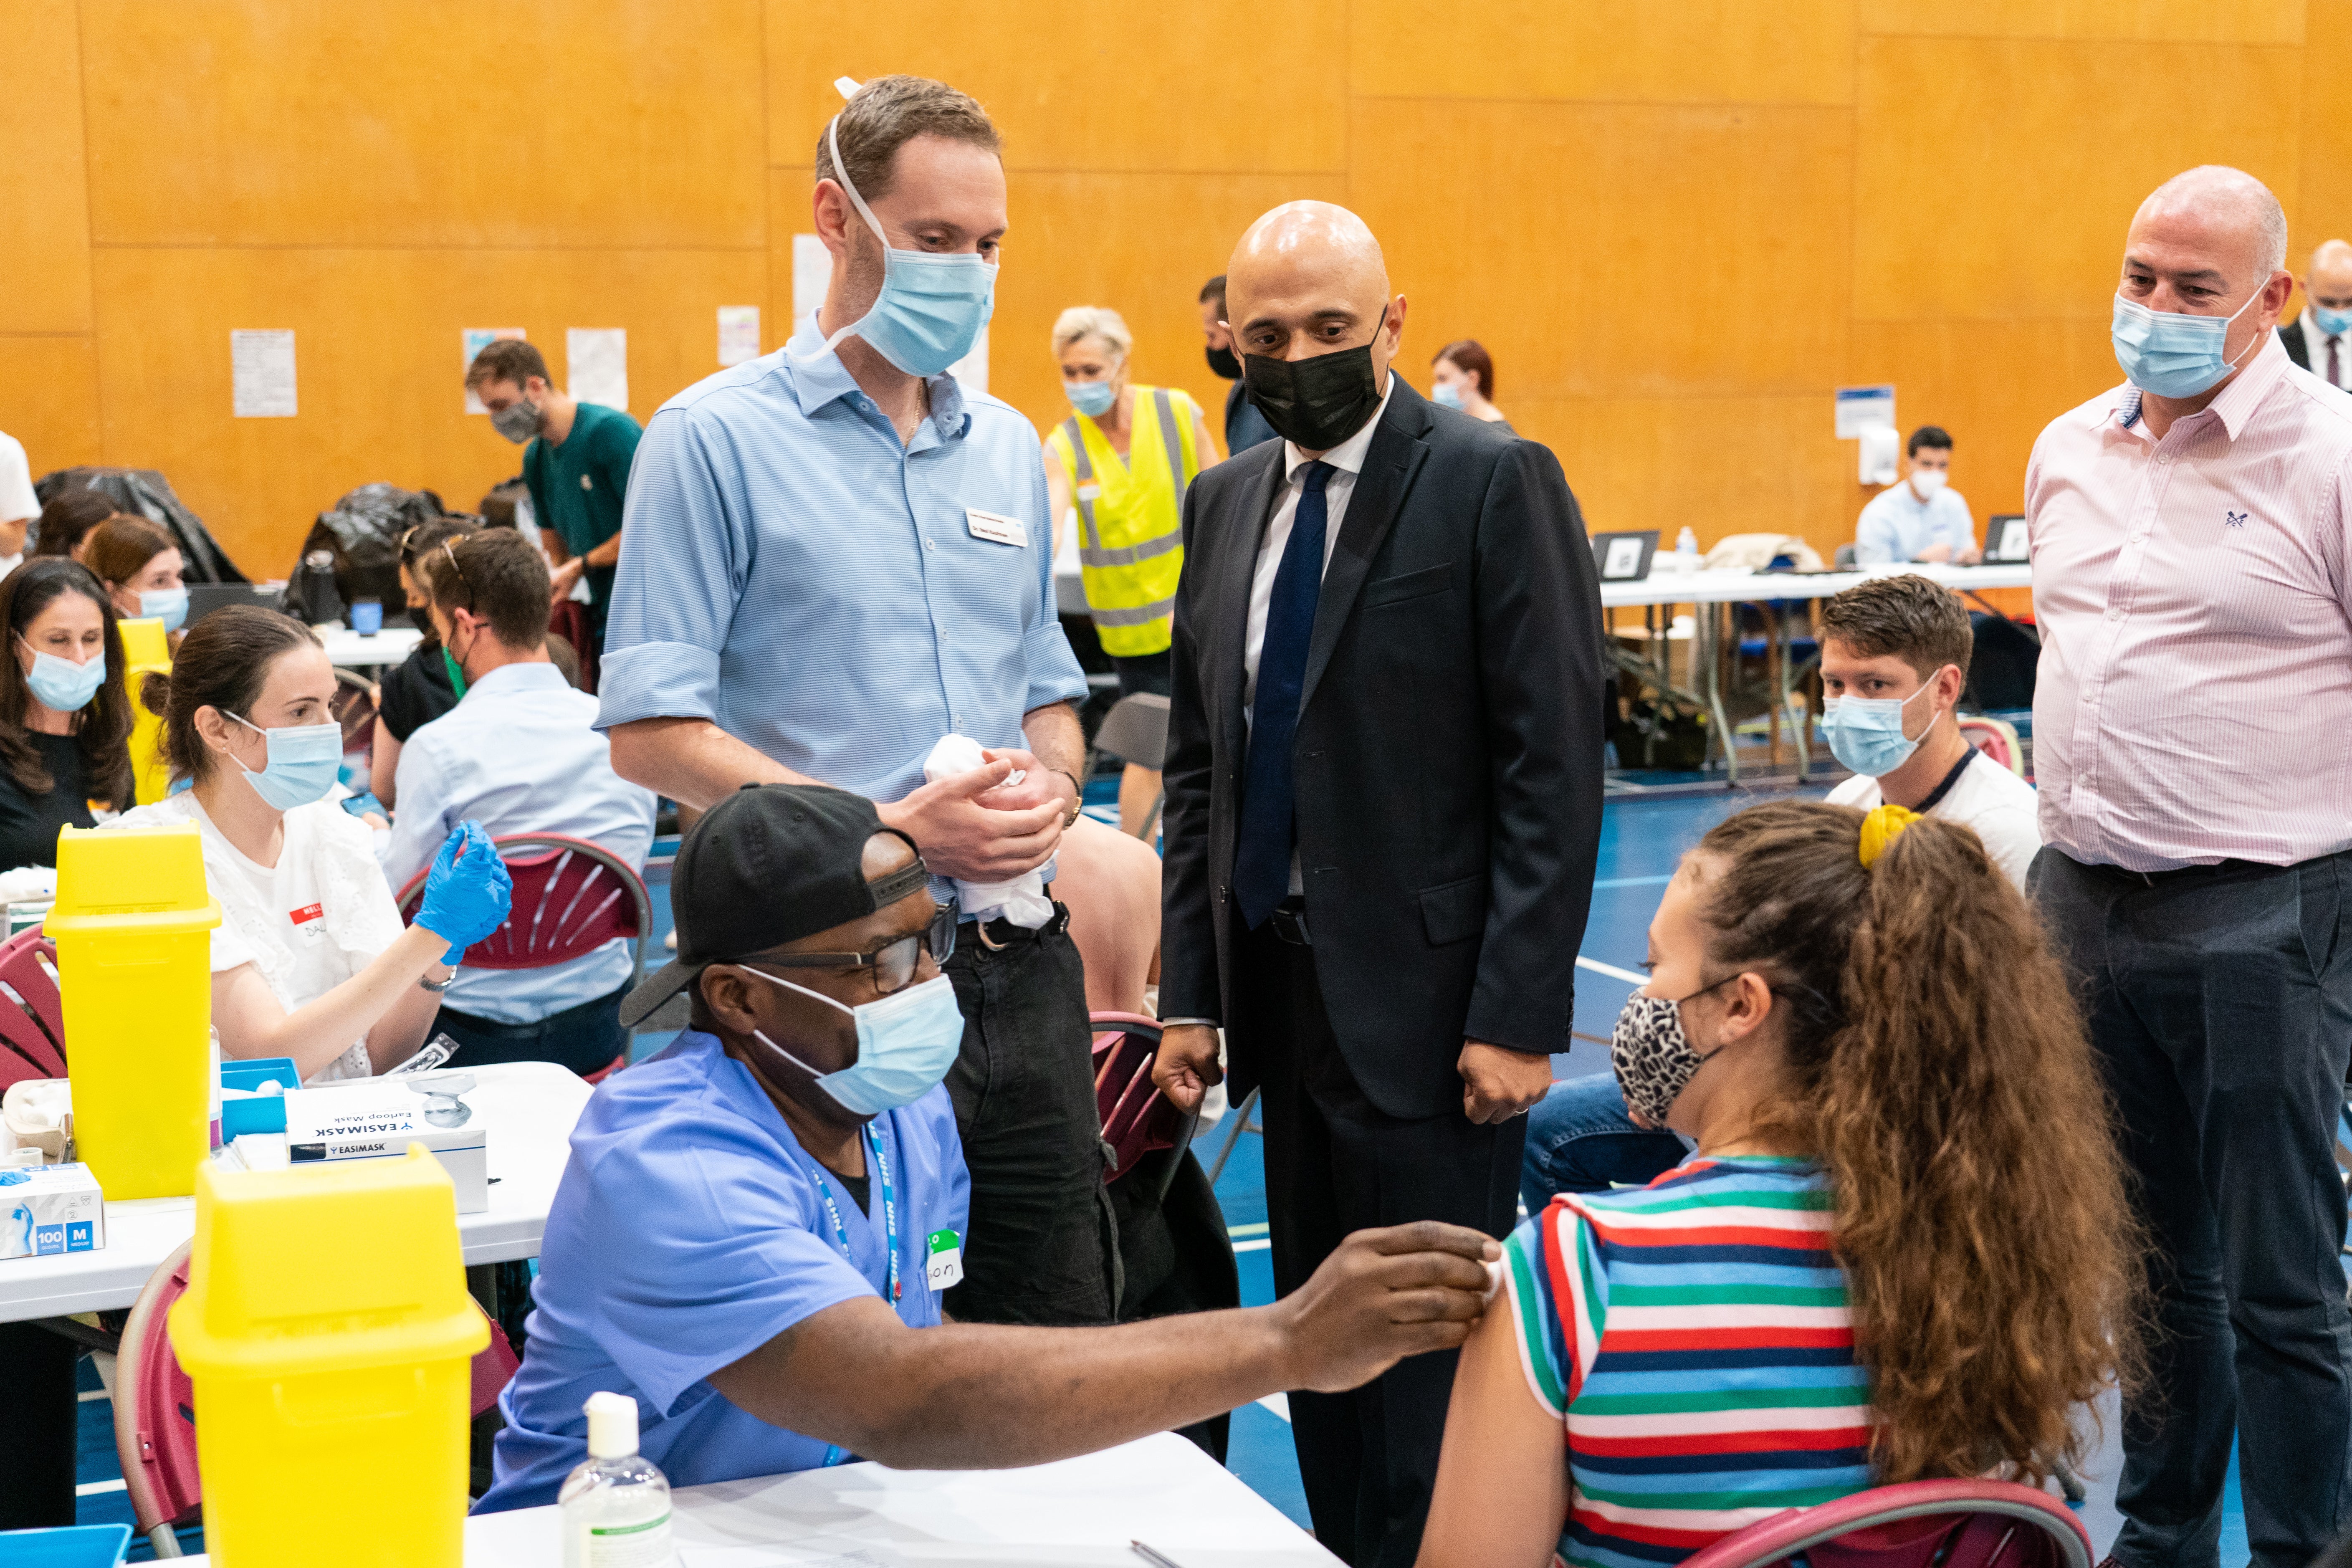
(889, 1209)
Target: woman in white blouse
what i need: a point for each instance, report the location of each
(311, 960)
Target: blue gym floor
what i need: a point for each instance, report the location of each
(1639, 842)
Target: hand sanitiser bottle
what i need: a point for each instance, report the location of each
(617, 1504)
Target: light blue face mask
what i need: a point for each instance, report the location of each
(61, 685)
(1091, 398)
(2173, 355)
(1866, 733)
(906, 1042)
(304, 760)
(169, 605)
(1447, 395)
(2331, 323)
(932, 307)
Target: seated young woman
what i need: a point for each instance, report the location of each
(65, 719)
(311, 960)
(64, 527)
(1901, 1249)
(141, 568)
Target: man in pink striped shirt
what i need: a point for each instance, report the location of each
(2193, 576)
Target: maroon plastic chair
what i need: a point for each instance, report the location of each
(1136, 1117)
(1919, 1524)
(571, 896)
(32, 1019)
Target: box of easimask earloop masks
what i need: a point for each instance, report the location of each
(369, 1119)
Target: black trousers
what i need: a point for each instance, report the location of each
(2220, 1004)
(1044, 1244)
(37, 1441)
(1335, 1163)
(586, 1038)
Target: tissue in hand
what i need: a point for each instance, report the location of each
(1021, 900)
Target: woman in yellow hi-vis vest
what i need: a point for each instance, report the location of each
(1122, 462)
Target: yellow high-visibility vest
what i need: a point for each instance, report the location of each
(1130, 517)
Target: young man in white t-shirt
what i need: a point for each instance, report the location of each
(1895, 658)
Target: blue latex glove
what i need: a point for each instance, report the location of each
(468, 892)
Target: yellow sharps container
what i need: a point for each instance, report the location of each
(327, 1333)
(133, 928)
(145, 651)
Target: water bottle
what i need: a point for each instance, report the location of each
(615, 1505)
(1686, 551)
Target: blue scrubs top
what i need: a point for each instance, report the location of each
(689, 1231)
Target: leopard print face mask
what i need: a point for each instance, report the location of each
(1654, 1058)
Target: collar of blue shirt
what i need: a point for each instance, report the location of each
(510, 679)
(819, 377)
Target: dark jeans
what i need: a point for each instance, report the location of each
(1337, 1164)
(2220, 1004)
(586, 1038)
(1579, 1140)
(1042, 1242)
(37, 1439)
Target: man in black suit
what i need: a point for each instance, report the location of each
(2320, 339)
(1383, 806)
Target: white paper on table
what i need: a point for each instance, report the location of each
(261, 373)
(596, 363)
(812, 270)
(1861, 408)
(738, 333)
(475, 340)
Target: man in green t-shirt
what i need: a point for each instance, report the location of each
(577, 466)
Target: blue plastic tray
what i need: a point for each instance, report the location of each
(78, 1546)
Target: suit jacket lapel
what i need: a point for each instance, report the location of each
(1390, 462)
(1234, 571)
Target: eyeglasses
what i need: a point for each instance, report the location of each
(448, 549)
(894, 963)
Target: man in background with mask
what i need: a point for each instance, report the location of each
(838, 557)
(576, 467)
(756, 1227)
(1383, 807)
(2320, 339)
(1922, 518)
(2192, 577)
(1245, 425)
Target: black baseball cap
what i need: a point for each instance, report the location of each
(768, 865)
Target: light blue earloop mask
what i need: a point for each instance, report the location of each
(1091, 398)
(63, 686)
(2173, 355)
(304, 761)
(932, 307)
(169, 605)
(906, 1042)
(1866, 733)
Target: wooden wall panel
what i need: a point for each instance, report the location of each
(2183, 21)
(44, 210)
(379, 365)
(1693, 51)
(49, 399)
(2325, 211)
(1076, 85)
(1566, 238)
(430, 122)
(1994, 178)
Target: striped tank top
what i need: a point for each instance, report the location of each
(1694, 1337)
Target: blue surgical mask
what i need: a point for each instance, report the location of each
(1091, 398)
(931, 308)
(1866, 733)
(168, 605)
(1447, 395)
(63, 686)
(304, 761)
(2173, 355)
(906, 1042)
(2331, 323)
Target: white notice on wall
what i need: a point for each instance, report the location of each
(261, 375)
(738, 333)
(1861, 408)
(811, 268)
(596, 360)
(474, 341)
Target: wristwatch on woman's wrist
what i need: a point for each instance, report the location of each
(425, 983)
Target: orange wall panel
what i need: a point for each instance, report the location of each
(48, 400)
(2326, 210)
(43, 213)
(2182, 21)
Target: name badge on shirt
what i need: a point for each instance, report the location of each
(944, 1265)
(997, 529)
(1090, 491)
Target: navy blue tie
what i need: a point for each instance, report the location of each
(1262, 860)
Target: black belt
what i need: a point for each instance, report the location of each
(2197, 873)
(1002, 932)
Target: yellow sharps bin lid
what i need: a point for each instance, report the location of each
(322, 1270)
(144, 642)
(129, 878)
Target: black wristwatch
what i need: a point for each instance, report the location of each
(1077, 800)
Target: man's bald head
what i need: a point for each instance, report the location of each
(2227, 206)
(2327, 282)
(1309, 278)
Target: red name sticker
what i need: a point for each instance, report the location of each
(308, 913)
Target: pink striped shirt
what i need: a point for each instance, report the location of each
(2195, 600)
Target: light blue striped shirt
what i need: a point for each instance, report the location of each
(792, 572)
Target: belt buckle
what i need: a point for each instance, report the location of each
(1290, 925)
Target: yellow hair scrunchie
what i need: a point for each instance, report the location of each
(1882, 827)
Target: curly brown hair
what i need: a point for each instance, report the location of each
(1940, 1073)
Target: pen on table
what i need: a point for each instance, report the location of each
(1156, 1559)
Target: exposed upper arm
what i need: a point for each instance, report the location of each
(1502, 1478)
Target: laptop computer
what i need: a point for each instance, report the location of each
(2005, 537)
(204, 598)
(1624, 557)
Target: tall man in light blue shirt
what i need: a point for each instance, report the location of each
(834, 556)
(1922, 518)
(520, 754)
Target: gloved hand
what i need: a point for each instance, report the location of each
(468, 893)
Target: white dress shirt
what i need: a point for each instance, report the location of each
(1896, 525)
(2315, 343)
(519, 753)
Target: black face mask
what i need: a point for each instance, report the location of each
(1315, 403)
(1224, 365)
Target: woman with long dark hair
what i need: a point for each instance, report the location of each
(65, 717)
